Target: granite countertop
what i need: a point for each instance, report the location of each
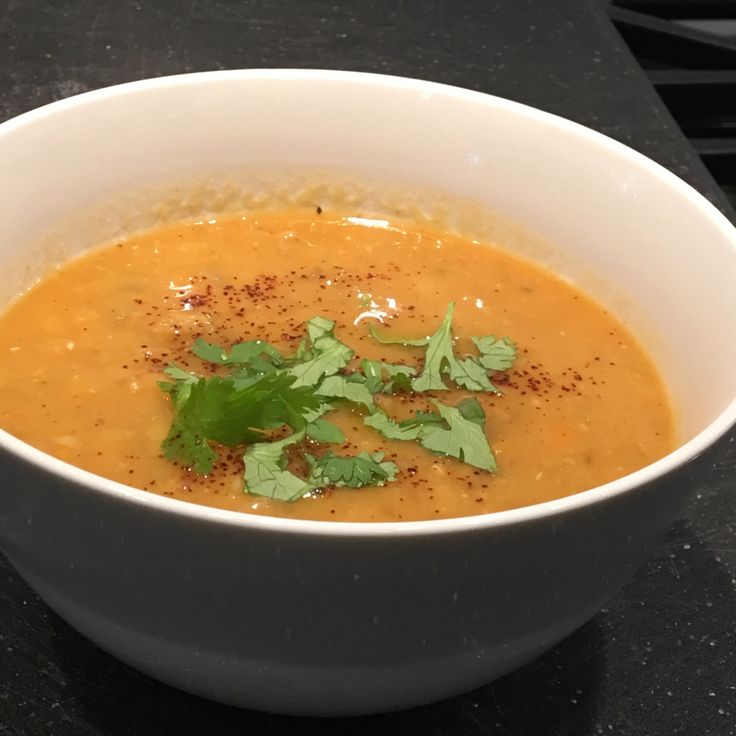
(661, 657)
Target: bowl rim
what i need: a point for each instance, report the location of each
(657, 470)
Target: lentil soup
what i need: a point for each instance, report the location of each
(82, 352)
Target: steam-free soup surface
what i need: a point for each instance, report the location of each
(82, 351)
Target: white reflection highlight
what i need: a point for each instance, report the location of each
(377, 314)
(368, 222)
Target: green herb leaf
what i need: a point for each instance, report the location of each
(390, 428)
(186, 444)
(399, 376)
(462, 438)
(210, 352)
(365, 469)
(266, 474)
(180, 387)
(215, 409)
(411, 429)
(495, 354)
(242, 353)
(373, 375)
(197, 419)
(472, 411)
(311, 415)
(352, 388)
(326, 356)
(179, 374)
(384, 339)
(440, 358)
(322, 430)
(271, 402)
(400, 380)
(247, 352)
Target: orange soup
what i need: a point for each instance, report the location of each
(82, 354)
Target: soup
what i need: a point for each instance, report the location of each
(84, 353)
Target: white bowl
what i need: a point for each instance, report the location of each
(339, 618)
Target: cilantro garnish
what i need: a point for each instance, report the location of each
(461, 435)
(215, 409)
(266, 474)
(243, 353)
(440, 359)
(353, 388)
(419, 342)
(495, 354)
(324, 355)
(324, 431)
(470, 372)
(399, 376)
(365, 469)
(258, 390)
(391, 429)
(454, 431)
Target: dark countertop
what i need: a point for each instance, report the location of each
(661, 658)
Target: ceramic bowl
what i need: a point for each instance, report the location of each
(346, 618)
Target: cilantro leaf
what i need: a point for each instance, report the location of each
(373, 375)
(192, 426)
(470, 372)
(266, 474)
(495, 354)
(207, 413)
(311, 415)
(365, 469)
(472, 411)
(446, 432)
(184, 443)
(399, 376)
(246, 352)
(440, 358)
(179, 374)
(272, 401)
(216, 409)
(439, 354)
(181, 386)
(411, 429)
(424, 417)
(209, 352)
(419, 342)
(352, 388)
(247, 357)
(325, 356)
(400, 379)
(463, 437)
(322, 430)
(242, 353)
(390, 428)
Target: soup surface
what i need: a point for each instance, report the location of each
(82, 351)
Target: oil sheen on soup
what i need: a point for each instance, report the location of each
(83, 351)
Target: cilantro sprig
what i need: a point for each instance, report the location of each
(470, 372)
(216, 409)
(256, 391)
(454, 431)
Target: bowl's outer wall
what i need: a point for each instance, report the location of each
(314, 623)
(238, 614)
